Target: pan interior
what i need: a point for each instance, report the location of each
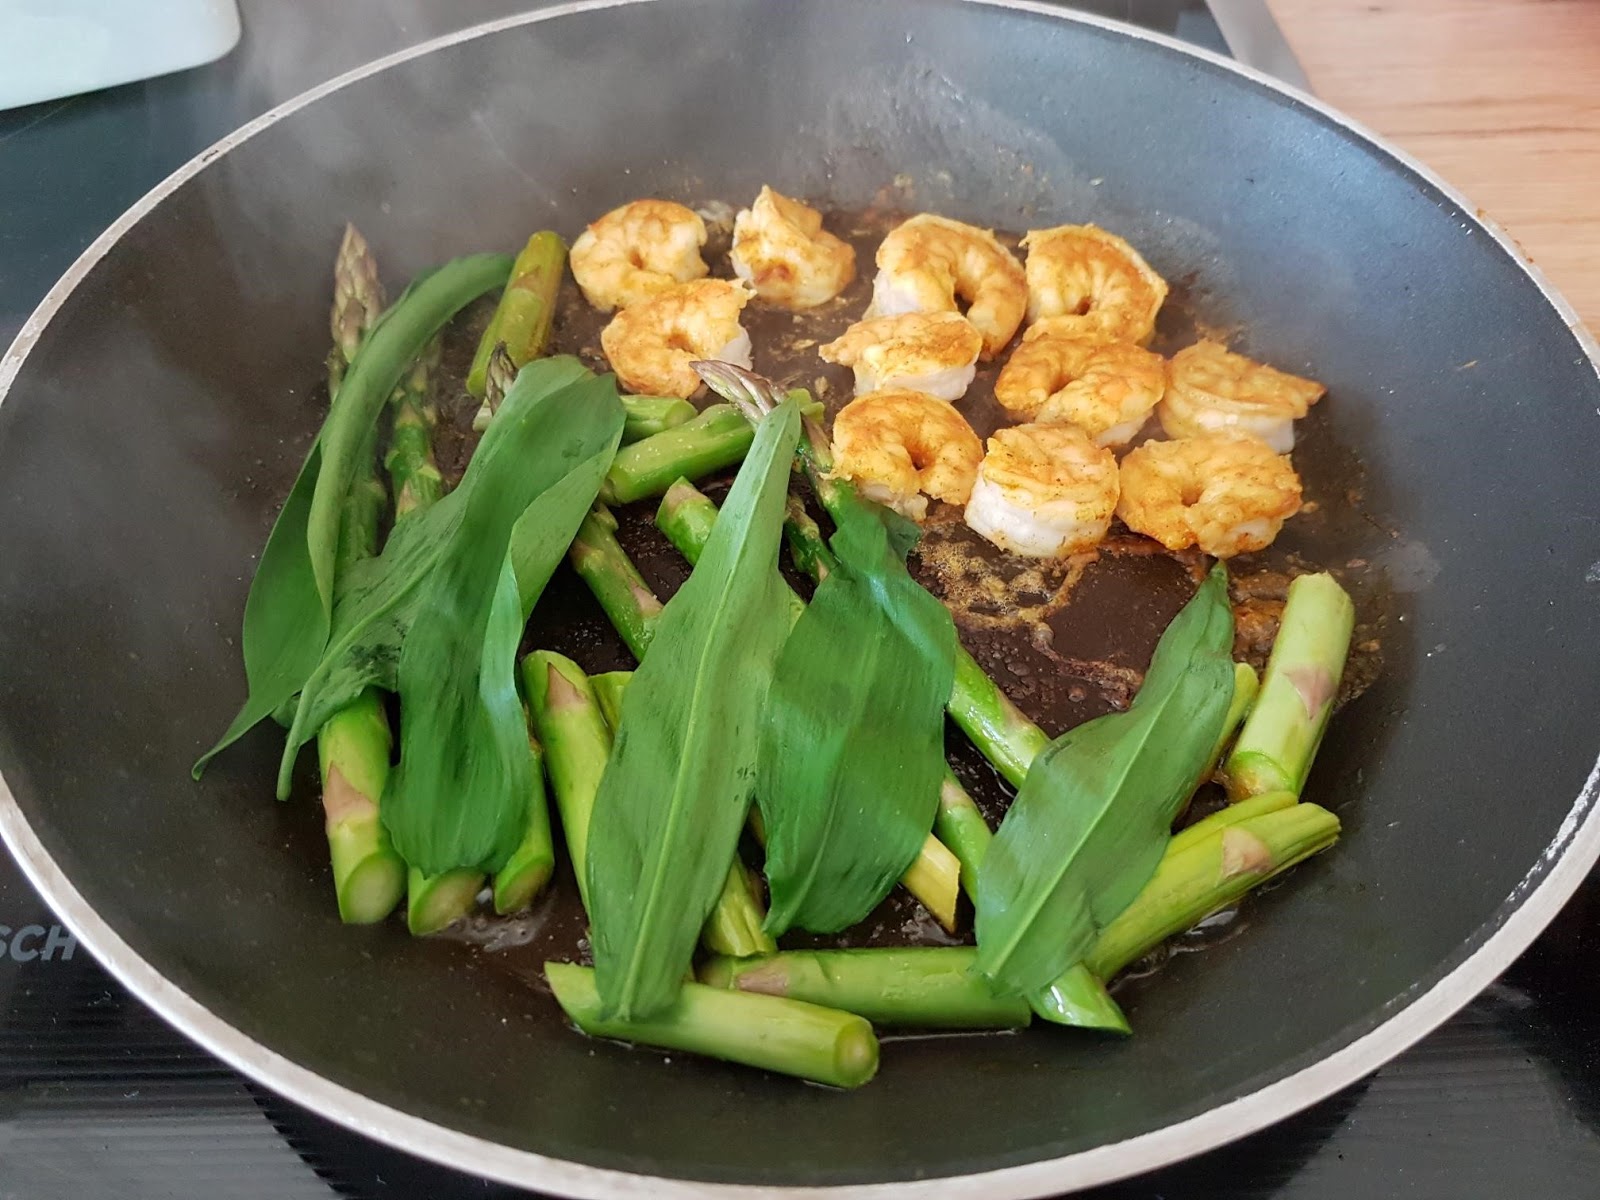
(159, 419)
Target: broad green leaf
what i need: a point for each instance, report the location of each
(457, 797)
(396, 338)
(852, 745)
(677, 787)
(378, 598)
(280, 646)
(1092, 819)
(288, 617)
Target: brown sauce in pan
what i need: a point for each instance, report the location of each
(1068, 641)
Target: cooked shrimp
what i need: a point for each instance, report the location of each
(1105, 389)
(936, 353)
(1092, 284)
(1227, 492)
(1211, 388)
(638, 251)
(651, 344)
(1044, 490)
(782, 250)
(926, 263)
(898, 444)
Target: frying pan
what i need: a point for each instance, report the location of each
(158, 404)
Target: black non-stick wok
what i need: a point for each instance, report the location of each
(158, 404)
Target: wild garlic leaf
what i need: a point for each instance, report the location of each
(1092, 819)
(678, 784)
(852, 747)
(288, 616)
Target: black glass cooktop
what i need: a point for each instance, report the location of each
(98, 1097)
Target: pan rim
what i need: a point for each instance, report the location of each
(1536, 899)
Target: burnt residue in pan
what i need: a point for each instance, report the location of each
(1068, 641)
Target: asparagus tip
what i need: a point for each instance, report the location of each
(751, 394)
(501, 375)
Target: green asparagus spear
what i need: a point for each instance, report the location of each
(413, 473)
(650, 415)
(1245, 810)
(353, 746)
(568, 724)
(1246, 684)
(1208, 874)
(717, 438)
(523, 318)
(616, 583)
(353, 754)
(927, 986)
(531, 864)
(787, 1036)
(736, 925)
(960, 825)
(608, 690)
(1281, 736)
(433, 902)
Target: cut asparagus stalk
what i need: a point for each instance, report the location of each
(960, 825)
(1246, 685)
(790, 1037)
(1233, 814)
(353, 754)
(1209, 874)
(687, 516)
(926, 986)
(717, 438)
(646, 416)
(1284, 729)
(608, 689)
(529, 868)
(736, 924)
(1079, 998)
(999, 729)
(601, 563)
(568, 723)
(523, 318)
(434, 902)
(934, 878)
(353, 745)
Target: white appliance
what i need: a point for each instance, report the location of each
(52, 48)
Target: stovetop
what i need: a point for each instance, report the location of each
(98, 1097)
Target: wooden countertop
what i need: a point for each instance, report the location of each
(1501, 97)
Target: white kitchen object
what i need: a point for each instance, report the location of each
(51, 48)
